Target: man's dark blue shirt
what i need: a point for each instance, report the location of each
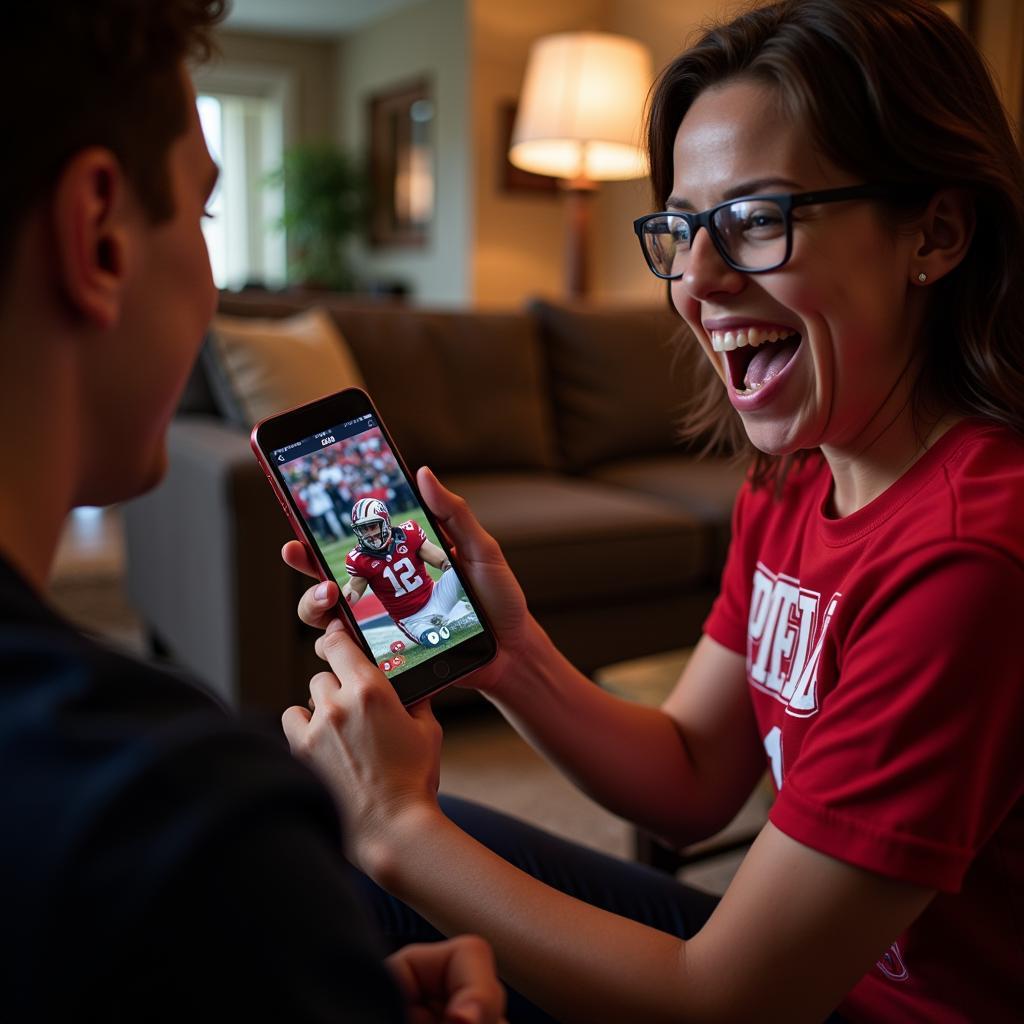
(159, 861)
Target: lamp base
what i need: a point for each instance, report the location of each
(579, 194)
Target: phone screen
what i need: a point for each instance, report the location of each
(378, 543)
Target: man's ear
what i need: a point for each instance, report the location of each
(945, 233)
(91, 232)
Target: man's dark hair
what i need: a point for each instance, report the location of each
(80, 73)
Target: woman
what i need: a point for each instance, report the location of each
(843, 230)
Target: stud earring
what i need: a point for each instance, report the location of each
(922, 277)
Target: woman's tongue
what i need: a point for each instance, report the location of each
(769, 361)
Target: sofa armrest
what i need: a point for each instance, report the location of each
(203, 567)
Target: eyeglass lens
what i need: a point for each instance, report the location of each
(752, 232)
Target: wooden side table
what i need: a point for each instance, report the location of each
(649, 681)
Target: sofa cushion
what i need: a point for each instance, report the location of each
(258, 367)
(573, 542)
(704, 488)
(618, 380)
(459, 390)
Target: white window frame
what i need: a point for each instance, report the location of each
(255, 137)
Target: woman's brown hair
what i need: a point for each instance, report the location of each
(893, 91)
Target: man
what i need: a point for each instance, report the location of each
(392, 562)
(320, 506)
(159, 862)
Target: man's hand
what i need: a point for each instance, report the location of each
(379, 760)
(451, 982)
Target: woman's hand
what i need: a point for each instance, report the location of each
(380, 760)
(451, 982)
(480, 560)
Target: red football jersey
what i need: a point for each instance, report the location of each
(883, 668)
(398, 576)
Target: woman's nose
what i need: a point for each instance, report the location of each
(706, 272)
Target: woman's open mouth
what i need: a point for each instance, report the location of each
(755, 355)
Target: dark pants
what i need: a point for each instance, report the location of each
(629, 890)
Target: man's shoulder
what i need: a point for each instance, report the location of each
(99, 738)
(411, 533)
(146, 827)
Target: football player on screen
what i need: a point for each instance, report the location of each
(390, 560)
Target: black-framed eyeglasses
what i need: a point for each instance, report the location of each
(753, 234)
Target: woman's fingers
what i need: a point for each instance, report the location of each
(296, 556)
(474, 543)
(317, 605)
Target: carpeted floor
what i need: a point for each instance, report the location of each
(483, 758)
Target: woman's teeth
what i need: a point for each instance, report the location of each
(726, 341)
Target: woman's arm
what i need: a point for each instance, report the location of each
(794, 932)
(681, 773)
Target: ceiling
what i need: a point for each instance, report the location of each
(309, 17)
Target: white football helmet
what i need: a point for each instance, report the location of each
(367, 512)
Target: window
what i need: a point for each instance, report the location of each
(245, 135)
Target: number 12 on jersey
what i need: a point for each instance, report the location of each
(406, 580)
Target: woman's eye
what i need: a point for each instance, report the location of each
(762, 218)
(762, 221)
(680, 232)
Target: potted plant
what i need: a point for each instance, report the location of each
(325, 204)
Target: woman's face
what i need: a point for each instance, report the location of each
(843, 292)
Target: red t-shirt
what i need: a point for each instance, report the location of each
(890, 699)
(398, 577)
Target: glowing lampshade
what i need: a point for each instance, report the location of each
(581, 106)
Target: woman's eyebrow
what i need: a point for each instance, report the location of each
(745, 188)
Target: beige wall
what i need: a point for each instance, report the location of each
(520, 238)
(518, 250)
(308, 65)
(620, 271)
(999, 27)
(426, 41)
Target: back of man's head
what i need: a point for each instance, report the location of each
(79, 73)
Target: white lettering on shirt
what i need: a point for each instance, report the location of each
(783, 620)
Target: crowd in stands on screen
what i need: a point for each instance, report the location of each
(326, 484)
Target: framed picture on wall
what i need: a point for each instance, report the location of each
(402, 165)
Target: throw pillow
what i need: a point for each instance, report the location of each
(619, 380)
(258, 368)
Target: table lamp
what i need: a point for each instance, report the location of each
(579, 120)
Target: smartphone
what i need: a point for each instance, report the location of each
(353, 503)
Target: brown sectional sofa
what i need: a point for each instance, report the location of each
(556, 423)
